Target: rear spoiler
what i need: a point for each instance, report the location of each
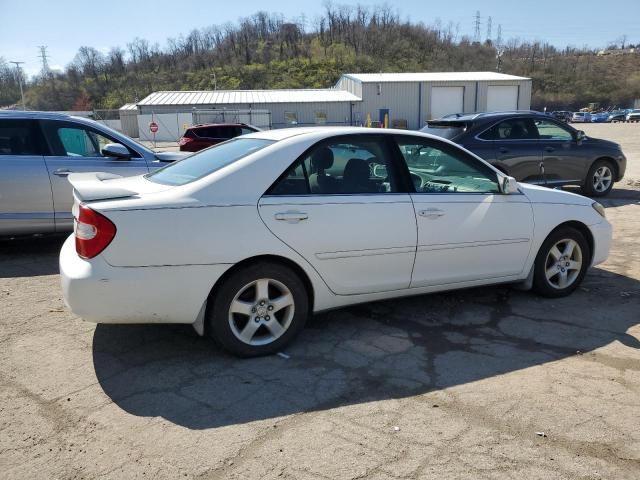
(96, 186)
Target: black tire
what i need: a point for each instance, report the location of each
(589, 188)
(221, 322)
(552, 287)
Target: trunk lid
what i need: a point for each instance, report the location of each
(94, 186)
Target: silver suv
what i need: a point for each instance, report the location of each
(37, 152)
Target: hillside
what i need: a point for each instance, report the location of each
(265, 51)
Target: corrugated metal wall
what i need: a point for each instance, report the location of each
(400, 98)
(337, 113)
(411, 101)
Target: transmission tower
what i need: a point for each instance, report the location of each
(476, 34)
(489, 22)
(499, 37)
(43, 57)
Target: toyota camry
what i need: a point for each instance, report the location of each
(246, 239)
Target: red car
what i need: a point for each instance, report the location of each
(198, 137)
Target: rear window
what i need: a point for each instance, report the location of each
(207, 161)
(444, 130)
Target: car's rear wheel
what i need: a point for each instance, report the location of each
(600, 179)
(258, 310)
(561, 263)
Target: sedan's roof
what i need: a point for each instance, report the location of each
(285, 133)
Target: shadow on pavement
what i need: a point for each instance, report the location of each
(30, 256)
(366, 353)
(618, 197)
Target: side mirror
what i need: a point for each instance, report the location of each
(380, 171)
(509, 185)
(115, 150)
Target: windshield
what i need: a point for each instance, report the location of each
(444, 130)
(207, 161)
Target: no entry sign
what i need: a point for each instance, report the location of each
(153, 127)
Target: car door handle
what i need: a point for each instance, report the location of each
(431, 213)
(504, 150)
(549, 149)
(62, 172)
(291, 216)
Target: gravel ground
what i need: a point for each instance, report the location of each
(485, 383)
(627, 135)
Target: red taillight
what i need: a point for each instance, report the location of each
(94, 232)
(185, 140)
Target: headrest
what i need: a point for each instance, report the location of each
(322, 159)
(357, 168)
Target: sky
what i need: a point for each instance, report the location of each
(65, 25)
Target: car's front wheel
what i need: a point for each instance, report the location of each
(599, 181)
(258, 309)
(561, 263)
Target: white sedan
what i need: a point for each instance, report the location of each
(246, 239)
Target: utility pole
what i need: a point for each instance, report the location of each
(476, 35)
(43, 57)
(19, 70)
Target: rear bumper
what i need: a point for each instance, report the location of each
(101, 293)
(602, 233)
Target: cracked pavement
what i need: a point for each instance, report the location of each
(487, 383)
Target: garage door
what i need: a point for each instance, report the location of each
(502, 97)
(446, 100)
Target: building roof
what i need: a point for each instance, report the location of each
(129, 106)
(431, 77)
(235, 97)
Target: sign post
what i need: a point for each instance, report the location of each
(153, 128)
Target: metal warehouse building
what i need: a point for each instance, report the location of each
(403, 100)
(418, 97)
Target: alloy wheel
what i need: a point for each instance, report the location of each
(563, 263)
(602, 179)
(261, 312)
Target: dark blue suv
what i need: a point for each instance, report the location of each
(536, 148)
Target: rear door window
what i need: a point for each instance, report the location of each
(20, 138)
(512, 129)
(347, 165)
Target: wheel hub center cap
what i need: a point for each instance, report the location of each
(261, 311)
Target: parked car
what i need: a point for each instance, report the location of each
(617, 116)
(634, 115)
(600, 117)
(562, 115)
(39, 150)
(253, 235)
(205, 135)
(536, 148)
(581, 117)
